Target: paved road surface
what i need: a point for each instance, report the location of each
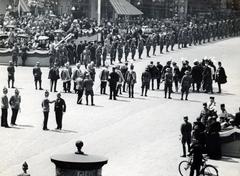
(139, 136)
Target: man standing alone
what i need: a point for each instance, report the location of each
(60, 108)
(186, 129)
(37, 73)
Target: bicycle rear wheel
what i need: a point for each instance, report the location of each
(184, 168)
(210, 170)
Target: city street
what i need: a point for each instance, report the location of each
(139, 136)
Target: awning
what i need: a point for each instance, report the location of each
(123, 7)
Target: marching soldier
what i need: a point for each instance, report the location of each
(120, 51)
(148, 45)
(126, 49)
(133, 48)
(154, 43)
(161, 42)
(98, 55)
(140, 47)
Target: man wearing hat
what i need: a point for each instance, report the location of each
(186, 130)
(146, 77)
(46, 109)
(59, 108)
(53, 75)
(104, 74)
(88, 87)
(168, 78)
(11, 73)
(76, 74)
(37, 73)
(131, 81)
(15, 102)
(196, 75)
(4, 107)
(113, 80)
(186, 84)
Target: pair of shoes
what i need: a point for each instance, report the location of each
(181, 98)
(169, 97)
(45, 129)
(87, 104)
(41, 89)
(183, 156)
(186, 99)
(142, 95)
(145, 95)
(93, 104)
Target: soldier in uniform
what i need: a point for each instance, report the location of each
(4, 107)
(98, 55)
(154, 43)
(140, 47)
(172, 39)
(148, 45)
(167, 41)
(113, 79)
(88, 87)
(168, 78)
(146, 77)
(161, 42)
(11, 73)
(126, 49)
(104, 74)
(124, 70)
(59, 108)
(37, 73)
(180, 39)
(15, 54)
(112, 53)
(104, 54)
(120, 51)
(133, 48)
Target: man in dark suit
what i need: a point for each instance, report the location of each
(113, 79)
(59, 108)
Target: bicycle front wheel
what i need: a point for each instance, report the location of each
(210, 170)
(184, 168)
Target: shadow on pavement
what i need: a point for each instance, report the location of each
(27, 126)
(63, 131)
(228, 159)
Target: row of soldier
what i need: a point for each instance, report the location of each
(120, 45)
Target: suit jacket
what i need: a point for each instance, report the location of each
(60, 105)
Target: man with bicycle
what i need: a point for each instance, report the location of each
(197, 157)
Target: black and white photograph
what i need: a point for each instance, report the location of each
(120, 87)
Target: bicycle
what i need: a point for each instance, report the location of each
(184, 168)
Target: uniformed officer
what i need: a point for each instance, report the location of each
(148, 45)
(11, 73)
(133, 47)
(120, 51)
(140, 47)
(127, 49)
(37, 73)
(59, 108)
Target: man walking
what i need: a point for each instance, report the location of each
(37, 73)
(59, 108)
(168, 78)
(66, 78)
(15, 102)
(186, 129)
(88, 87)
